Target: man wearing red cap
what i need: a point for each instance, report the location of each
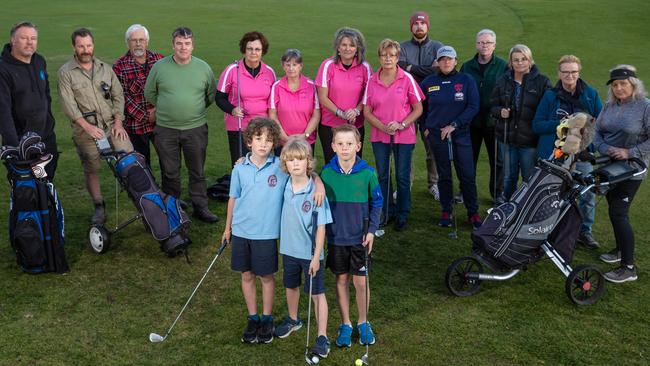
(418, 57)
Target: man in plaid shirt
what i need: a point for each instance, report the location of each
(132, 69)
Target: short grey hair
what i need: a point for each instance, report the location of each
(638, 89)
(486, 31)
(134, 28)
(23, 24)
(291, 54)
(357, 39)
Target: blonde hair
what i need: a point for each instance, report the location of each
(638, 89)
(521, 48)
(389, 43)
(569, 59)
(297, 148)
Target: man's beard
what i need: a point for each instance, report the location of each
(85, 57)
(139, 52)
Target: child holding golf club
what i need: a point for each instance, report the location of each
(302, 253)
(354, 195)
(253, 223)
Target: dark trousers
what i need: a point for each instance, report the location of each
(463, 163)
(142, 143)
(486, 134)
(233, 145)
(619, 200)
(192, 144)
(325, 135)
(51, 148)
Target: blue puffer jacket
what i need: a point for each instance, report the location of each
(546, 117)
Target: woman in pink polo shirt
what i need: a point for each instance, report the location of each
(340, 82)
(294, 103)
(244, 89)
(392, 104)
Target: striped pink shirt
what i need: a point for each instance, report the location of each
(393, 103)
(254, 92)
(294, 108)
(344, 88)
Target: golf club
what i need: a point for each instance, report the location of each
(450, 147)
(506, 153)
(241, 148)
(364, 358)
(380, 232)
(310, 357)
(155, 337)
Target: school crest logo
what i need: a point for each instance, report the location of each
(306, 206)
(459, 96)
(458, 87)
(272, 181)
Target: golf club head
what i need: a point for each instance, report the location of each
(379, 233)
(312, 359)
(155, 338)
(453, 234)
(364, 359)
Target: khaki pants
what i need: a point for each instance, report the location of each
(87, 149)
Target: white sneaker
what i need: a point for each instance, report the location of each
(435, 192)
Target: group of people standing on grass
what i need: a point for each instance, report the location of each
(146, 98)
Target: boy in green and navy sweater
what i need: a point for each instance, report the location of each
(354, 195)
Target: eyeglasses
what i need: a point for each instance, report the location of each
(489, 43)
(519, 60)
(387, 56)
(571, 72)
(251, 49)
(137, 40)
(106, 89)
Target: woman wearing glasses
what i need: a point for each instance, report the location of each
(514, 101)
(244, 89)
(570, 95)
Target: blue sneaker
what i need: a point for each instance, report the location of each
(287, 326)
(364, 338)
(344, 339)
(322, 347)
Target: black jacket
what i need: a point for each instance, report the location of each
(520, 123)
(25, 102)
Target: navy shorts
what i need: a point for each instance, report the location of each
(347, 259)
(257, 256)
(293, 267)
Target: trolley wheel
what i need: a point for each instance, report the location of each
(457, 280)
(585, 285)
(99, 239)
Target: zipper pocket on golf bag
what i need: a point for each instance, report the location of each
(28, 242)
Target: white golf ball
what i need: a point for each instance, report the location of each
(315, 359)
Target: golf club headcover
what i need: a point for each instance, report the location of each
(8, 152)
(28, 139)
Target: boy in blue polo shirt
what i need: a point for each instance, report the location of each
(298, 255)
(253, 223)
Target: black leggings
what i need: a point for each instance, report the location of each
(619, 199)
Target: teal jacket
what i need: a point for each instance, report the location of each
(485, 83)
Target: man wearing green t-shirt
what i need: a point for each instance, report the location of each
(182, 87)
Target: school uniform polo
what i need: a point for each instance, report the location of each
(294, 108)
(393, 103)
(254, 92)
(345, 88)
(258, 193)
(296, 224)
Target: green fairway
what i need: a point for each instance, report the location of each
(103, 310)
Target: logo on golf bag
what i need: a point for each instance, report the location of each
(306, 206)
(535, 230)
(272, 181)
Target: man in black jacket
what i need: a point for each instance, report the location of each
(25, 102)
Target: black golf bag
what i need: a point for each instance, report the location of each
(36, 223)
(538, 211)
(161, 213)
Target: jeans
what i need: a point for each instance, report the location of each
(587, 202)
(402, 154)
(515, 160)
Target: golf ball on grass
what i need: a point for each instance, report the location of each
(358, 362)
(315, 359)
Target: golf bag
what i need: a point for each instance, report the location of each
(36, 223)
(161, 213)
(514, 231)
(220, 190)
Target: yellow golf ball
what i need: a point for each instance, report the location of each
(358, 362)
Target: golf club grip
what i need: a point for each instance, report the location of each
(314, 229)
(222, 247)
(366, 223)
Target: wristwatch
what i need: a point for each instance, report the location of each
(403, 124)
(307, 134)
(454, 125)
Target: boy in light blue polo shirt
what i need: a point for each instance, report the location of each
(253, 223)
(299, 255)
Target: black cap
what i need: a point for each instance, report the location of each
(620, 74)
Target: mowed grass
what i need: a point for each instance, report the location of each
(103, 310)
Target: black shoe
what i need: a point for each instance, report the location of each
(401, 225)
(588, 240)
(205, 215)
(182, 203)
(250, 333)
(265, 331)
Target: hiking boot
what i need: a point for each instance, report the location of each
(321, 347)
(365, 336)
(401, 225)
(588, 240)
(621, 274)
(99, 217)
(445, 219)
(250, 333)
(613, 256)
(435, 192)
(344, 338)
(287, 326)
(205, 215)
(458, 198)
(265, 331)
(475, 220)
